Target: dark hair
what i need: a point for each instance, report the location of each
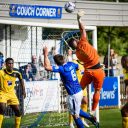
(6, 61)
(71, 43)
(124, 61)
(59, 59)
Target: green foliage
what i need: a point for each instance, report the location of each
(116, 36)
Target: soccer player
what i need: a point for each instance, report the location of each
(84, 104)
(124, 109)
(75, 94)
(88, 55)
(8, 77)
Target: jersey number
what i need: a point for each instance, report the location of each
(74, 77)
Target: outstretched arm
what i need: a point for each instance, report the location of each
(81, 26)
(47, 64)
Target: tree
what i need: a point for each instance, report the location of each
(118, 39)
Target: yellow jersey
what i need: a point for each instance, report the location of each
(79, 74)
(7, 79)
(80, 71)
(125, 74)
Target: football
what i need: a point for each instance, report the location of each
(69, 7)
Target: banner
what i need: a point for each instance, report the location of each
(110, 92)
(109, 95)
(42, 96)
(35, 11)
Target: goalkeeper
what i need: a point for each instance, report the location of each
(75, 94)
(87, 54)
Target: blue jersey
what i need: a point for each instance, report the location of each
(69, 77)
(1, 61)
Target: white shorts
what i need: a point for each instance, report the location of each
(74, 103)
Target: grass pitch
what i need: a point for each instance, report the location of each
(109, 118)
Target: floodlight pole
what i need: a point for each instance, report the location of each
(108, 56)
(108, 51)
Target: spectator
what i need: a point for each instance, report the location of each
(111, 66)
(43, 73)
(34, 65)
(52, 75)
(114, 64)
(51, 54)
(28, 74)
(22, 69)
(35, 68)
(1, 60)
(69, 56)
(41, 65)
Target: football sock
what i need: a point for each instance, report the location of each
(84, 107)
(17, 122)
(85, 114)
(1, 120)
(125, 122)
(79, 123)
(96, 98)
(70, 119)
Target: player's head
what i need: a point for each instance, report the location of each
(124, 61)
(73, 43)
(59, 59)
(9, 64)
(34, 59)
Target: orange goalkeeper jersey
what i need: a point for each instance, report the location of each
(86, 53)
